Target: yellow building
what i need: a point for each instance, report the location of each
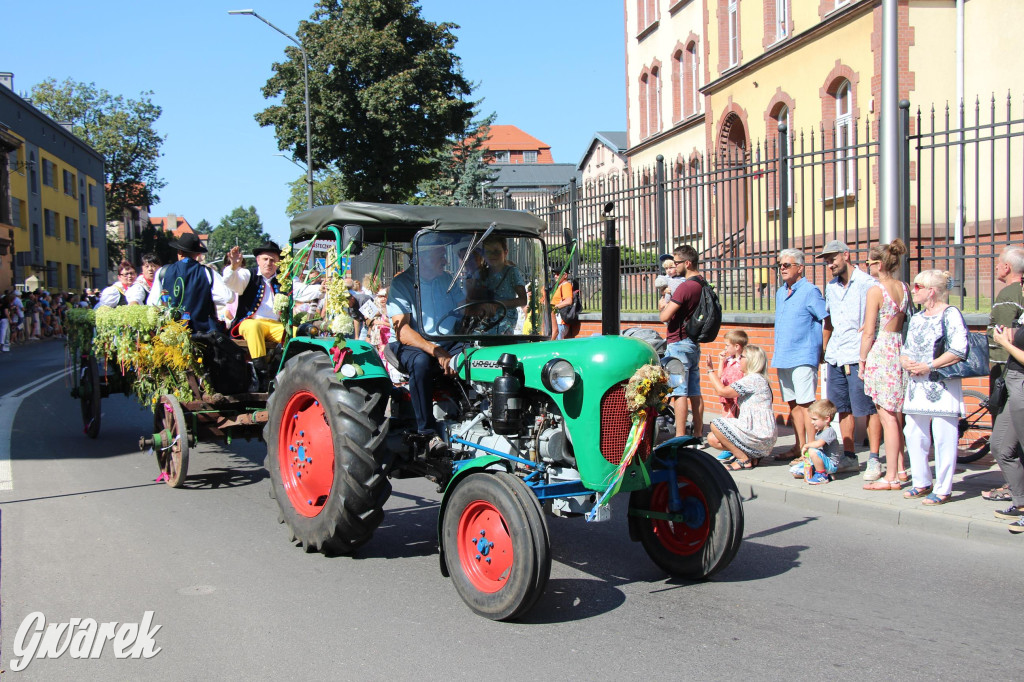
(816, 65)
(51, 200)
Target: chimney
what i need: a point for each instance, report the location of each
(7, 80)
(171, 223)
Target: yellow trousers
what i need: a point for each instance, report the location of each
(256, 331)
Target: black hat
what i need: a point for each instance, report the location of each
(268, 247)
(189, 243)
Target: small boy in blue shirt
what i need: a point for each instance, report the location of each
(821, 455)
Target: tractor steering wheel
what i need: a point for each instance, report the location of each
(475, 323)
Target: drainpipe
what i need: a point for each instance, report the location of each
(958, 235)
(889, 191)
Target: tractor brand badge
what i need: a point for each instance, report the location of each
(485, 364)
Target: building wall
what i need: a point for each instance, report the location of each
(43, 140)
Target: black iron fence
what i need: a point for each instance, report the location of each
(961, 199)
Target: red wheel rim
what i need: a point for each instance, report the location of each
(305, 454)
(682, 537)
(485, 546)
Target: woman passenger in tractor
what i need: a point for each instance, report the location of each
(139, 291)
(503, 281)
(116, 293)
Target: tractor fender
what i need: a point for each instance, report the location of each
(469, 467)
(363, 355)
(677, 448)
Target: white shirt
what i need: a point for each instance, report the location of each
(222, 295)
(111, 296)
(138, 292)
(238, 280)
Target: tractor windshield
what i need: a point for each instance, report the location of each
(474, 284)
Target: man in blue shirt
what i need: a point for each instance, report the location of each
(799, 313)
(423, 360)
(846, 297)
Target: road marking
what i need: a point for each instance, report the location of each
(8, 409)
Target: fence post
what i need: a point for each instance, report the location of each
(782, 173)
(660, 211)
(508, 198)
(574, 224)
(904, 175)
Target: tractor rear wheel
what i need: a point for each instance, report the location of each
(703, 536)
(325, 454)
(496, 544)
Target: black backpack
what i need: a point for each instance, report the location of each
(702, 326)
(571, 312)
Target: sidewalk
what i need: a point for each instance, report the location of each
(967, 515)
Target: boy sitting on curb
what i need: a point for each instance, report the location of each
(821, 455)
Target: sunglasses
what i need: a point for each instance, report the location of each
(785, 266)
(919, 287)
(873, 262)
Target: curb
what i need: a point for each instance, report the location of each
(926, 520)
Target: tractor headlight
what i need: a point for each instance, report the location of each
(675, 369)
(558, 375)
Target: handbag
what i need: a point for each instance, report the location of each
(976, 362)
(998, 394)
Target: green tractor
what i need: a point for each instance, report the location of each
(529, 427)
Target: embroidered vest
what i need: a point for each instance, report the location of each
(188, 285)
(250, 299)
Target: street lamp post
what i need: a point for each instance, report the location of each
(305, 81)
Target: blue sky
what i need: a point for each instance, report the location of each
(555, 69)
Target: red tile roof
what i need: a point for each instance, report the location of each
(512, 139)
(181, 225)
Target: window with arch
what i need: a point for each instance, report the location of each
(654, 101)
(691, 80)
(844, 138)
(643, 101)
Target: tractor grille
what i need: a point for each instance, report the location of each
(615, 426)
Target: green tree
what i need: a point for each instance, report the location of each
(203, 227)
(462, 169)
(116, 248)
(386, 93)
(327, 190)
(241, 228)
(152, 240)
(120, 129)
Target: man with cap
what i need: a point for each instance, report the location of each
(256, 320)
(846, 298)
(190, 286)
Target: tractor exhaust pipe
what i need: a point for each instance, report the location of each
(611, 266)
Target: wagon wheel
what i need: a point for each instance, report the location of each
(171, 440)
(89, 396)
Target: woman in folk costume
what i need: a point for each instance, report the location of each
(115, 294)
(139, 291)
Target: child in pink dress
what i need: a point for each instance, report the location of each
(730, 367)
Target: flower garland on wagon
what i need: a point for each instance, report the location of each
(149, 345)
(645, 397)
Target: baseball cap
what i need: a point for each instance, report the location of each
(834, 246)
(666, 256)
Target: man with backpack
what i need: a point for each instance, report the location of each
(693, 317)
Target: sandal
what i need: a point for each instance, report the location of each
(882, 484)
(1001, 494)
(917, 492)
(903, 476)
(738, 464)
(934, 500)
(728, 460)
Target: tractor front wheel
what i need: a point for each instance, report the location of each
(496, 545)
(702, 536)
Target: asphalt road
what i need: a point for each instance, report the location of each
(86, 533)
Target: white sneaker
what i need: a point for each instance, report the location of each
(6, 348)
(873, 472)
(848, 464)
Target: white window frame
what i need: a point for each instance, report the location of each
(655, 115)
(530, 156)
(844, 138)
(781, 19)
(501, 156)
(785, 116)
(732, 23)
(695, 79)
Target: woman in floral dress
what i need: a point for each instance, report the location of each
(933, 405)
(752, 435)
(885, 381)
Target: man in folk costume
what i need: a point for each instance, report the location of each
(256, 321)
(190, 286)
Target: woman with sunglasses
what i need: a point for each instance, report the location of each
(117, 293)
(933, 404)
(885, 381)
